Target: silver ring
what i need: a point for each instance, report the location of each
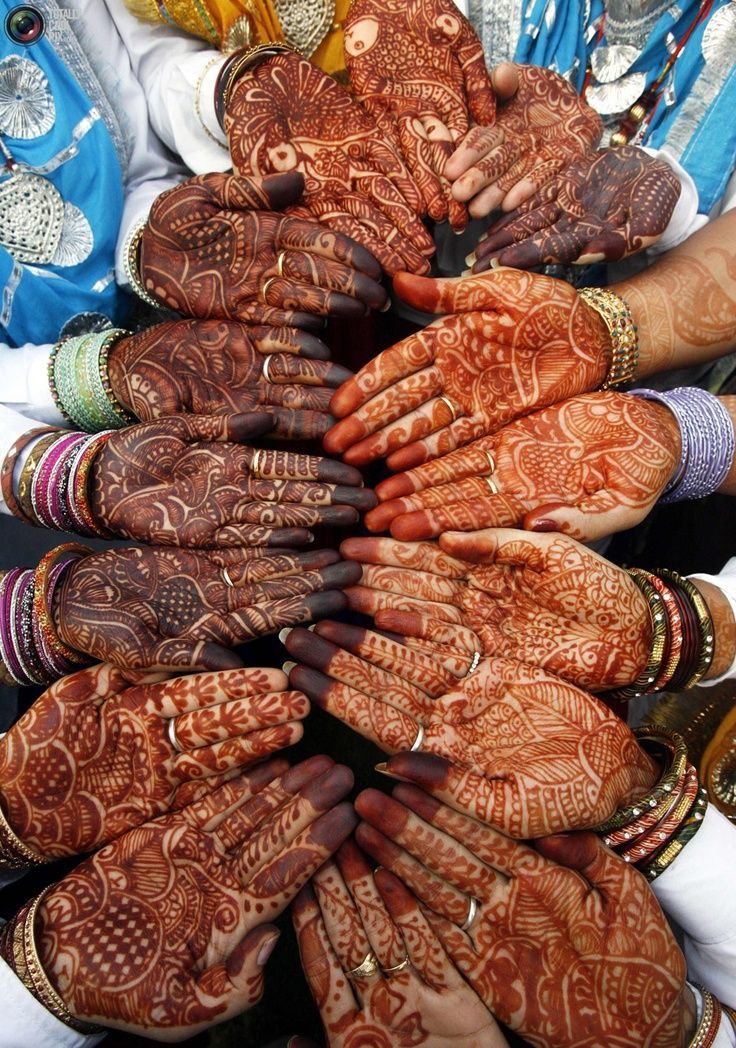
(446, 400)
(402, 966)
(228, 581)
(491, 461)
(254, 467)
(265, 369)
(492, 485)
(368, 966)
(417, 744)
(474, 664)
(472, 911)
(172, 735)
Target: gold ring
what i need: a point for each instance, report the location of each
(491, 461)
(280, 263)
(172, 736)
(492, 485)
(367, 967)
(402, 966)
(472, 911)
(228, 581)
(446, 400)
(417, 744)
(265, 370)
(254, 467)
(264, 289)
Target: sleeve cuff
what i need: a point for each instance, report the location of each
(685, 218)
(726, 583)
(27, 1024)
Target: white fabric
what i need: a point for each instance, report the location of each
(726, 583)
(697, 892)
(12, 426)
(27, 1024)
(685, 219)
(24, 383)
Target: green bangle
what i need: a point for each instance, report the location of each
(81, 385)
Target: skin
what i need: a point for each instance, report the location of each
(591, 466)
(188, 480)
(538, 130)
(521, 749)
(212, 243)
(575, 909)
(603, 207)
(161, 608)
(514, 342)
(216, 367)
(285, 115)
(166, 930)
(422, 65)
(93, 758)
(344, 915)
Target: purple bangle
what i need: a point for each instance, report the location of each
(55, 666)
(6, 588)
(25, 632)
(56, 485)
(16, 627)
(44, 483)
(707, 437)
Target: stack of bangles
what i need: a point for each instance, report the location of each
(48, 485)
(80, 384)
(31, 650)
(652, 831)
(683, 637)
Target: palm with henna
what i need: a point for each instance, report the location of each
(567, 945)
(590, 466)
(216, 367)
(416, 995)
(94, 756)
(189, 480)
(167, 929)
(515, 746)
(514, 342)
(219, 246)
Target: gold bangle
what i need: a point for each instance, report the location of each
(710, 1020)
(131, 265)
(658, 613)
(14, 854)
(621, 328)
(664, 742)
(705, 625)
(247, 60)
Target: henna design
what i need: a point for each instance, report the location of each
(537, 132)
(598, 922)
(212, 243)
(163, 931)
(285, 115)
(588, 467)
(517, 342)
(421, 63)
(603, 207)
(159, 607)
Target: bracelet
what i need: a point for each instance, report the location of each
(704, 621)
(710, 1021)
(14, 854)
(80, 382)
(79, 486)
(672, 657)
(29, 468)
(42, 599)
(7, 470)
(131, 268)
(667, 855)
(198, 101)
(669, 748)
(619, 322)
(237, 64)
(660, 627)
(659, 836)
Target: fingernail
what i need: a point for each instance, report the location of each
(287, 667)
(471, 259)
(495, 264)
(482, 237)
(382, 769)
(543, 525)
(284, 634)
(466, 273)
(267, 949)
(312, 627)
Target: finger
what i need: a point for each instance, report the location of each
(332, 214)
(302, 268)
(389, 200)
(516, 227)
(235, 428)
(275, 565)
(421, 161)
(330, 989)
(478, 460)
(208, 811)
(288, 341)
(563, 242)
(372, 601)
(342, 921)
(335, 576)
(193, 692)
(420, 556)
(280, 368)
(270, 618)
(411, 582)
(383, 936)
(227, 989)
(304, 493)
(231, 719)
(456, 496)
(182, 653)
(594, 517)
(289, 465)
(298, 398)
(444, 638)
(372, 217)
(500, 546)
(434, 415)
(317, 240)
(382, 723)
(235, 753)
(441, 442)
(290, 424)
(253, 536)
(479, 141)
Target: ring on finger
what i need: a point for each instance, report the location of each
(472, 912)
(280, 263)
(266, 369)
(491, 462)
(417, 744)
(228, 581)
(368, 966)
(395, 968)
(172, 736)
(264, 289)
(492, 485)
(255, 465)
(449, 405)
(474, 664)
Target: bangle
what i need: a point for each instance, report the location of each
(667, 855)
(619, 322)
(81, 383)
(30, 465)
(669, 748)
(198, 101)
(706, 631)
(7, 470)
(672, 658)
(658, 836)
(237, 64)
(79, 487)
(651, 671)
(131, 267)
(14, 854)
(42, 599)
(710, 1020)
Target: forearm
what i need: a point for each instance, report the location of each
(684, 305)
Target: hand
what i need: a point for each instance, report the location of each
(345, 918)
(516, 747)
(516, 343)
(164, 931)
(287, 115)
(589, 466)
(216, 246)
(538, 131)
(603, 207)
(94, 756)
(167, 483)
(421, 63)
(215, 367)
(161, 608)
(569, 951)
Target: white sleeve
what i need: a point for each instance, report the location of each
(697, 892)
(27, 1024)
(24, 383)
(178, 74)
(685, 218)
(12, 426)
(726, 583)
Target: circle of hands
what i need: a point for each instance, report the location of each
(480, 644)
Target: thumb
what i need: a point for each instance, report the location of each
(483, 291)
(577, 851)
(282, 190)
(182, 653)
(505, 80)
(247, 961)
(593, 517)
(238, 428)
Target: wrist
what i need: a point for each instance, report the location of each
(724, 627)
(621, 331)
(689, 1020)
(728, 485)
(236, 66)
(117, 373)
(15, 854)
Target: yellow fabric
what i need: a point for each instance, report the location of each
(330, 55)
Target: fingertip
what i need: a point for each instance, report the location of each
(394, 488)
(249, 424)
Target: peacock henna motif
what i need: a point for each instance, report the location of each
(285, 115)
(587, 914)
(421, 63)
(603, 207)
(590, 466)
(514, 342)
(537, 132)
(213, 247)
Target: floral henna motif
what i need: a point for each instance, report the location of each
(164, 929)
(286, 116)
(516, 342)
(588, 467)
(170, 608)
(539, 130)
(212, 367)
(604, 206)
(598, 922)
(421, 63)
(213, 243)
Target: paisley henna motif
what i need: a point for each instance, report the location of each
(603, 207)
(597, 922)
(516, 342)
(285, 115)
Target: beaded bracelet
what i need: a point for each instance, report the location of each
(619, 322)
(131, 265)
(80, 384)
(690, 826)
(658, 836)
(710, 1021)
(675, 633)
(659, 620)
(14, 854)
(669, 750)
